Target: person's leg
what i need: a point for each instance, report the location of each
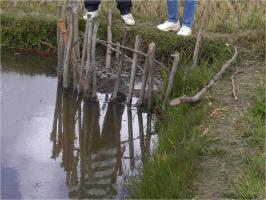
(124, 6)
(189, 8)
(92, 5)
(172, 10)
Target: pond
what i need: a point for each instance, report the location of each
(56, 145)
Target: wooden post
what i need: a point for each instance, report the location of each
(117, 81)
(93, 58)
(144, 78)
(150, 75)
(133, 69)
(82, 65)
(88, 64)
(109, 35)
(200, 35)
(67, 55)
(74, 51)
(117, 55)
(171, 77)
(60, 47)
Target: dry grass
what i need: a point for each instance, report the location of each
(224, 15)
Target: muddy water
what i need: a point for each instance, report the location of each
(55, 145)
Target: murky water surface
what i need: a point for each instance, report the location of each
(55, 145)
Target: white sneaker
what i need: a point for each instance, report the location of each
(128, 19)
(185, 31)
(169, 26)
(93, 14)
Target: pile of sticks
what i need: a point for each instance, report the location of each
(77, 70)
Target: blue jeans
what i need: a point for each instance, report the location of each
(188, 13)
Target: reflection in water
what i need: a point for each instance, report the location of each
(97, 152)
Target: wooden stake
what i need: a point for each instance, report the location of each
(133, 69)
(144, 80)
(171, 77)
(82, 65)
(200, 35)
(67, 55)
(93, 59)
(150, 75)
(117, 81)
(60, 48)
(117, 55)
(109, 35)
(88, 64)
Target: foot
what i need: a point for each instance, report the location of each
(185, 31)
(169, 26)
(128, 19)
(93, 14)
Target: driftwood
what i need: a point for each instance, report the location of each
(117, 81)
(88, 63)
(197, 97)
(171, 77)
(150, 74)
(93, 58)
(200, 35)
(109, 35)
(67, 55)
(133, 69)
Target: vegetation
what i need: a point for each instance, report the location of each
(251, 184)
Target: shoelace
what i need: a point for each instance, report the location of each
(129, 17)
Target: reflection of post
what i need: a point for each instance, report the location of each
(55, 129)
(148, 134)
(141, 134)
(130, 139)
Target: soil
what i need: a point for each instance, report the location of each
(222, 160)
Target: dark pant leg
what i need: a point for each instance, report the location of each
(124, 6)
(92, 5)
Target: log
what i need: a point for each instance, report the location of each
(117, 81)
(82, 64)
(150, 74)
(171, 77)
(88, 64)
(200, 35)
(197, 97)
(109, 35)
(93, 59)
(133, 69)
(67, 55)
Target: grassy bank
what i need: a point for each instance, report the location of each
(251, 183)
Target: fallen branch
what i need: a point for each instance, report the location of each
(234, 85)
(197, 97)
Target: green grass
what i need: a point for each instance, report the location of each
(169, 173)
(251, 184)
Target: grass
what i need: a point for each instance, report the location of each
(251, 184)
